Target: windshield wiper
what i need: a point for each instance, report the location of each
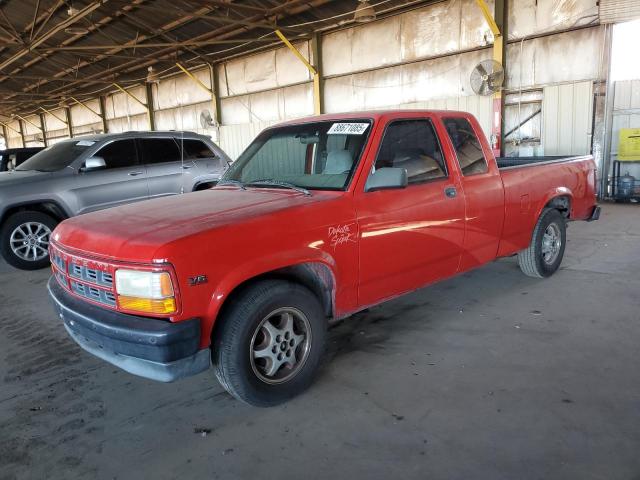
(270, 182)
(230, 181)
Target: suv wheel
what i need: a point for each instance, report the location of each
(269, 344)
(24, 240)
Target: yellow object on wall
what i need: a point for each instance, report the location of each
(629, 147)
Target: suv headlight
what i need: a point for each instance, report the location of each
(145, 291)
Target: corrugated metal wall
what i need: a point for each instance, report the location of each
(626, 114)
(567, 119)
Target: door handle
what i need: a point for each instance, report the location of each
(450, 192)
(134, 174)
(187, 167)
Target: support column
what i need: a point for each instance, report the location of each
(67, 114)
(6, 136)
(103, 113)
(150, 111)
(315, 74)
(318, 80)
(217, 105)
(500, 55)
(43, 128)
(21, 128)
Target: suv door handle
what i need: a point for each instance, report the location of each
(450, 192)
(135, 174)
(187, 167)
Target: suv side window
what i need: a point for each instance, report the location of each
(468, 148)
(119, 154)
(195, 149)
(412, 145)
(159, 150)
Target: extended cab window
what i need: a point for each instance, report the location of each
(119, 154)
(159, 150)
(317, 155)
(412, 145)
(195, 149)
(468, 149)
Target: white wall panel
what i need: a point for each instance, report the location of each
(14, 139)
(263, 71)
(185, 118)
(530, 17)
(52, 123)
(438, 29)
(181, 90)
(81, 116)
(119, 104)
(567, 119)
(272, 105)
(235, 138)
(565, 57)
(138, 122)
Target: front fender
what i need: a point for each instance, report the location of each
(253, 268)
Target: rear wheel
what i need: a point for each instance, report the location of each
(544, 254)
(269, 344)
(24, 239)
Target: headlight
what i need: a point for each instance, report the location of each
(145, 291)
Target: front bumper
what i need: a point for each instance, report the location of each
(595, 214)
(155, 349)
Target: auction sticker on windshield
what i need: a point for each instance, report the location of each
(348, 128)
(85, 143)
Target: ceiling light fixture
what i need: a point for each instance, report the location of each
(152, 76)
(364, 13)
(76, 30)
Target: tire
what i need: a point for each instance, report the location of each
(252, 326)
(33, 227)
(544, 255)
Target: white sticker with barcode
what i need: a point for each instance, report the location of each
(348, 128)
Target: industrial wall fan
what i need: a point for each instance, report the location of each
(206, 120)
(487, 77)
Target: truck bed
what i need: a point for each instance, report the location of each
(508, 162)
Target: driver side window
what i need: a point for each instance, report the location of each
(412, 145)
(119, 154)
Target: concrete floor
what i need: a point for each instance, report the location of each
(491, 375)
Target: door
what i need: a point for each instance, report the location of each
(412, 236)
(123, 180)
(201, 164)
(483, 193)
(165, 167)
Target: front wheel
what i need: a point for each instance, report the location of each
(544, 254)
(24, 240)
(270, 342)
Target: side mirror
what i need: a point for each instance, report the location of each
(386, 178)
(93, 163)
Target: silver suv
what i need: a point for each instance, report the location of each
(93, 172)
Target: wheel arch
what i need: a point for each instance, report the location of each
(560, 199)
(49, 207)
(317, 276)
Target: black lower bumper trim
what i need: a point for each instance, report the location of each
(595, 214)
(152, 348)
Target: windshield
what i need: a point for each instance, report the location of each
(315, 156)
(56, 157)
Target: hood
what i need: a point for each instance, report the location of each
(135, 232)
(18, 177)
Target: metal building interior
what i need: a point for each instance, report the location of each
(485, 375)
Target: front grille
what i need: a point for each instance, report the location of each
(91, 275)
(93, 293)
(81, 278)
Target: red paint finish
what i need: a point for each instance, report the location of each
(370, 246)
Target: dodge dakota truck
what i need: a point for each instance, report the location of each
(319, 218)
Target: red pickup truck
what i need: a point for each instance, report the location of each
(318, 219)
